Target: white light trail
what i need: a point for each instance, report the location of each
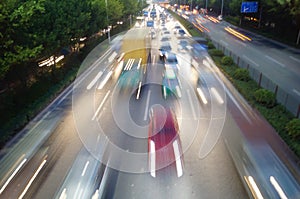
(32, 179)
(12, 175)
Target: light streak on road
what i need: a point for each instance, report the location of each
(152, 158)
(92, 83)
(85, 167)
(77, 189)
(201, 95)
(205, 63)
(177, 159)
(217, 95)
(296, 91)
(100, 106)
(63, 194)
(278, 188)
(178, 91)
(112, 57)
(295, 59)
(191, 104)
(139, 91)
(96, 194)
(237, 34)
(105, 80)
(253, 187)
(32, 179)
(147, 105)
(12, 175)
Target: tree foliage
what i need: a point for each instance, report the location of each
(34, 29)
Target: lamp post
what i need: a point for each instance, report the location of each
(108, 29)
(206, 5)
(222, 8)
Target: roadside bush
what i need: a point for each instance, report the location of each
(215, 52)
(226, 60)
(293, 128)
(241, 74)
(265, 97)
(210, 45)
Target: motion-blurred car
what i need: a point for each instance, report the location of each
(164, 146)
(170, 83)
(181, 33)
(171, 61)
(164, 48)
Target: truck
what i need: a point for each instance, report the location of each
(135, 49)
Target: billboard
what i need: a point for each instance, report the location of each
(249, 7)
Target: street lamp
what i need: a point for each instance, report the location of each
(222, 8)
(108, 28)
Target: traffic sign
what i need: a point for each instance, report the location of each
(150, 23)
(249, 7)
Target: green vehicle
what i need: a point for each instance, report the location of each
(131, 75)
(170, 83)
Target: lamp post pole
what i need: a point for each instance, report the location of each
(108, 29)
(222, 8)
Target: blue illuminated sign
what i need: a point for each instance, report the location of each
(150, 23)
(249, 7)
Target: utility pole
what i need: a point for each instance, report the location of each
(222, 8)
(206, 6)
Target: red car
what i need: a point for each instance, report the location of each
(164, 144)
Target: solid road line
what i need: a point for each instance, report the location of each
(177, 158)
(274, 60)
(250, 60)
(100, 106)
(147, 105)
(191, 103)
(93, 82)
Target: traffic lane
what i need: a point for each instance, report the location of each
(252, 53)
(80, 181)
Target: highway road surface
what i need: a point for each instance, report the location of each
(92, 141)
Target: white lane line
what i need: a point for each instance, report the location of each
(77, 189)
(274, 60)
(250, 60)
(93, 82)
(195, 63)
(100, 106)
(12, 175)
(32, 179)
(64, 97)
(217, 95)
(152, 158)
(112, 57)
(177, 159)
(80, 193)
(191, 104)
(201, 95)
(238, 106)
(296, 91)
(139, 91)
(255, 188)
(105, 80)
(295, 59)
(147, 105)
(223, 42)
(278, 188)
(63, 194)
(85, 167)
